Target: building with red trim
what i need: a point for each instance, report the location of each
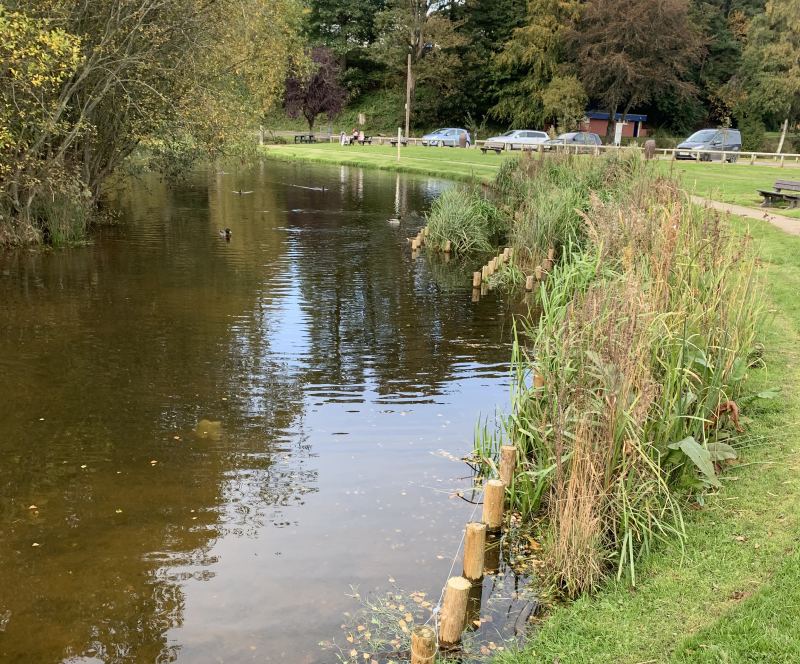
(598, 124)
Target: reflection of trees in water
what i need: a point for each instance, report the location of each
(372, 316)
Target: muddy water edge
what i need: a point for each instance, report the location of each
(206, 444)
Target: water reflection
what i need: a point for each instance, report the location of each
(201, 426)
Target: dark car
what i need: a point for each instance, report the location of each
(580, 141)
(729, 140)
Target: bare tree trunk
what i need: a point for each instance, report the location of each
(610, 128)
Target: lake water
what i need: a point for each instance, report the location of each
(205, 445)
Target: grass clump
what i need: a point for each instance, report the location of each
(624, 383)
(466, 219)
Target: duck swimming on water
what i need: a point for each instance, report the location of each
(225, 235)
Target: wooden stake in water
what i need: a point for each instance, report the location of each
(474, 544)
(529, 283)
(508, 463)
(476, 294)
(454, 611)
(476, 279)
(494, 495)
(447, 247)
(423, 644)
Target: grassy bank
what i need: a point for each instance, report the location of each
(451, 163)
(734, 594)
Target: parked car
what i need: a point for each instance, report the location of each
(729, 140)
(581, 141)
(448, 136)
(516, 139)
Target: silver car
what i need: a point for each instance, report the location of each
(717, 140)
(516, 139)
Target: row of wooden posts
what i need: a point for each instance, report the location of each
(462, 597)
(421, 239)
(493, 265)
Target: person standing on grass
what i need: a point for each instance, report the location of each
(343, 138)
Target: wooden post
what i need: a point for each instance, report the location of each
(454, 611)
(507, 252)
(673, 155)
(423, 644)
(414, 244)
(476, 279)
(752, 158)
(783, 156)
(447, 247)
(547, 265)
(494, 495)
(476, 294)
(474, 544)
(529, 283)
(490, 268)
(538, 273)
(399, 139)
(697, 158)
(551, 254)
(508, 463)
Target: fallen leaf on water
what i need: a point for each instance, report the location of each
(350, 638)
(409, 617)
(153, 462)
(402, 608)
(366, 656)
(119, 511)
(32, 507)
(353, 653)
(391, 580)
(405, 629)
(361, 628)
(426, 604)
(367, 635)
(440, 557)
(401, 622)
(178, 438)
(83, 466)
(477, 623)
(35, 544)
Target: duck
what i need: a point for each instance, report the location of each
(225, 235)
(394, 221)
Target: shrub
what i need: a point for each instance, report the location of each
(753, 134)
(466, 219)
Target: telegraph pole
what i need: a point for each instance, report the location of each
(408, 94)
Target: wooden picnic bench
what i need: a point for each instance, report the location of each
(403, 142)
(305, 138)
(495, 146)
(779, 196)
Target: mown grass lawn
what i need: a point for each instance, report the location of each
(736, 183)
(733, 595)
(451, 163)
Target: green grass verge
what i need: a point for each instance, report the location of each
(736, 183)
(452, 163)
(734, 595)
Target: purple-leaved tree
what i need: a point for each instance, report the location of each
(317, 90)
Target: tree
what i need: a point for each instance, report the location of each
(628, 50)
(767, 86)
(315, 90)
(565, 100)
(343, 26)
(531, 59)
(102, 76)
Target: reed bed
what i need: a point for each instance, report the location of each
(624, 386)
(466, 219)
